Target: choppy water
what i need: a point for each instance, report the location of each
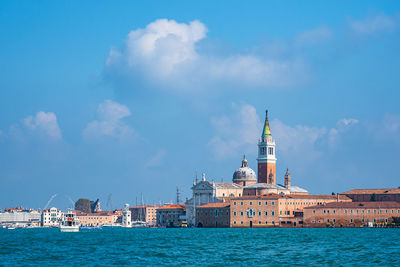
(216, 247)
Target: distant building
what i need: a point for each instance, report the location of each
(98, 218)
(213, 215)
(83, 205)
(20, 216)
(171, 215)
(52, 217)
(87, 206)
(145, 213)
(95, 206)
(351, 214)
(209, 192)
(126, 217)
(362, 195)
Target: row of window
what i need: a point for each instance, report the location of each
(351, 220)
(362, 211)
(251, 203)
(251, 213)
(259, 222)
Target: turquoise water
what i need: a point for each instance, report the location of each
(201, 247)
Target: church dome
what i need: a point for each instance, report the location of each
(244, 173)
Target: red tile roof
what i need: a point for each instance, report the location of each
(172, 207)
(374, 191)
(145, 206)
(215, 205)
(377, 204)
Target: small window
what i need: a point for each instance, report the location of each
(259, 204)
(241, 222)
(273, 203)
(273, 213)
(314, 211)
(266, 204)
(251, 203)
(241, 203)
(266, 213)
(234, 203)
(234, 213)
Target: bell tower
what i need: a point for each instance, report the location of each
(266, 171)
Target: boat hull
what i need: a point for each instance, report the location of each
(69, 228)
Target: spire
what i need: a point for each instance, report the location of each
(266, 131)
(244, 162)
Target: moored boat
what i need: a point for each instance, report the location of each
(69, 223)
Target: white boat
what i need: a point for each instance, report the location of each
(139, 224)
(70, 223)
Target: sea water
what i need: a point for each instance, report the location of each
(202, 247)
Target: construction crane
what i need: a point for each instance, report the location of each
(50, 200)
(110, 203)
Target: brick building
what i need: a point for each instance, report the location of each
(351, 214)
(274, 209)
(171, 215)
(358, 195)
(213, 215)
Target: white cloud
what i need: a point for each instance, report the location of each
(314, 36)
(44, 123)
(111, 122)
(165, 52)
(157, 159)
(241, 131)
(373, 25)
(237, 133)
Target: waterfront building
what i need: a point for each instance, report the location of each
(213, 215)
(275, 209)
(351, 214)
(390, 194)
(145, 213)
(210, 192)
(98, 218)
(171, 215)
(126, 217)
(52, 217)
(20, 216)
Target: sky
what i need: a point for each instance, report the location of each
(118, 99)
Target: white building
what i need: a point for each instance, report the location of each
(209, 192)
(126, 217)
(51, 217)
(19, 216)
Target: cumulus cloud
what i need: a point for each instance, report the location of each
(236, 133)
(110, 123)
(166, 52)
(314, 36)
(372, 25)
(240, 132)
(44, 124)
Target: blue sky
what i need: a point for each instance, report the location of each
(105, 97)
